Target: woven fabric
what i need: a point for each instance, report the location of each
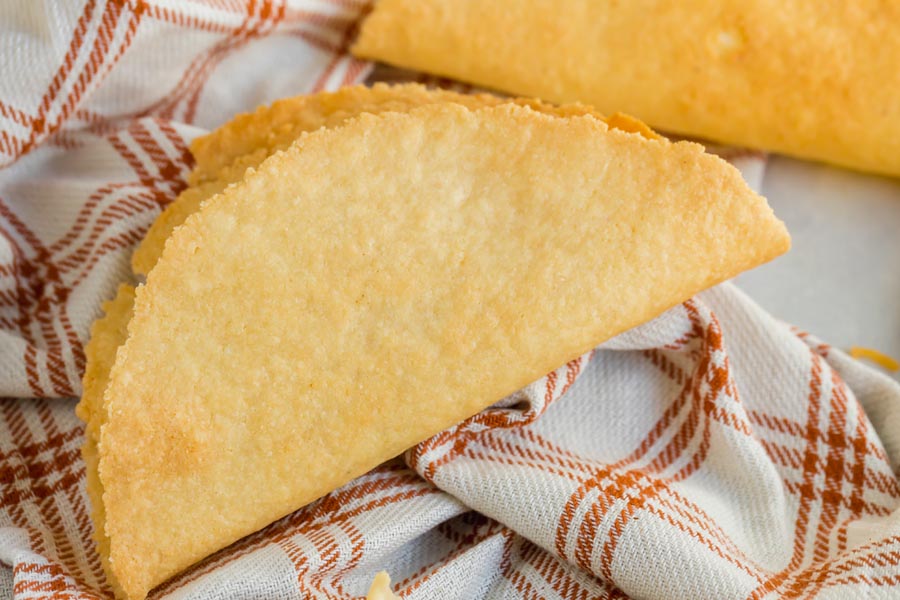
(711, 453)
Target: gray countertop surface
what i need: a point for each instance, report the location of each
(841, 279)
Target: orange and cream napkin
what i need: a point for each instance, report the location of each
(714, 452)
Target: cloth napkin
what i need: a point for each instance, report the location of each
(714, 452)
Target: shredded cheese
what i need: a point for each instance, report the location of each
(876, 357)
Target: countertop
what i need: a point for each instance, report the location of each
(841, 279)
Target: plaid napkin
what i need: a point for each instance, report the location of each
(711, 453)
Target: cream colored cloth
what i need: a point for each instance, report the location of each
(712, 453)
